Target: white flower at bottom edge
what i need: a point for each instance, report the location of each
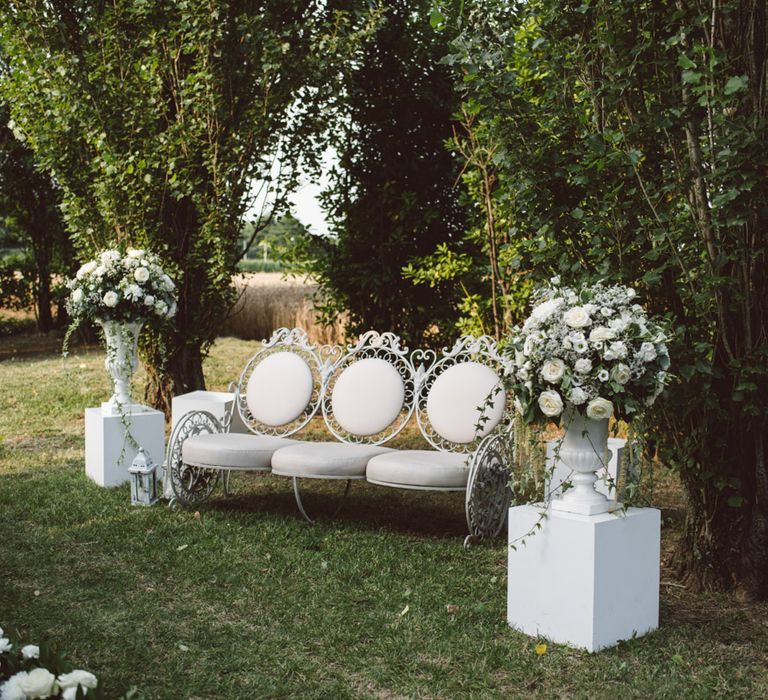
(550, 403)
(553, 370)
(599, 409)
(11, 689)
(5, 645)
(110, 299)
(30, 651)
(39, 683)
(77, 677)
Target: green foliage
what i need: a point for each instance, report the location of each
(393, 195)
(37, 250)
(629, 143)
(156, 118)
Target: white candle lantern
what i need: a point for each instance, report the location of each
(143, 472)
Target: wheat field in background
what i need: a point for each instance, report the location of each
(268, 300)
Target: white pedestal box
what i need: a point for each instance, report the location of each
(215, 402)
(588, 581)
(106, 441)
(561, 473)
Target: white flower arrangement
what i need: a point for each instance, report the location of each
(595, 350)
(126, 287)
(23, 676)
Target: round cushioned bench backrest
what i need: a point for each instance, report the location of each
(279, 389)
(456, 397)
(366, 397)
(461, 398)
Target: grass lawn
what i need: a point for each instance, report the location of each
(245, 600)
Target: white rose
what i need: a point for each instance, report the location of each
(99, 271)
(39, 683)
(577, 317)
(134, 292)
(78, 677)
(647, 352)
(161, 308)
(550, 403)
(618, 349)
(530, 343)
(172, 310)
(149, 300)
(601, 334)
(86, 269)
(30, 651)
(11, 689)
(110, 299)
(5, 645)
(621, 374)
(141, 274)
(553, 370)
(583, 365)
(543, 311)
(133, 253)
(599, 409)
(578, 396)
(606, 311)
(631, 293)
(77, 295)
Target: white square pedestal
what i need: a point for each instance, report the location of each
(588, 581)
(215, 402)
(105, 439)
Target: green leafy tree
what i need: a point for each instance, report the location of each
(155, 118)
(32, 228)
(630, 143)
(394, 193)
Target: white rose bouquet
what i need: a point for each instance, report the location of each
(595, 350)
(126, 287)
(33, 671)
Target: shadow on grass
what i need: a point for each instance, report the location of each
(367, 506)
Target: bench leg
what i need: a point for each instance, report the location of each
(300, 504)
(225, 482)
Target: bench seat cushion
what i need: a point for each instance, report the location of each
(232, 450)
(420, 469)
(324, 460)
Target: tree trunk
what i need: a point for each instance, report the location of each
(183, 374)
(725, 543)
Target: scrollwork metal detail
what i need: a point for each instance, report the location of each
(191, 485)
(488, 492)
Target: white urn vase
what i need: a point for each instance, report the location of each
(122, 361)
(583, 451)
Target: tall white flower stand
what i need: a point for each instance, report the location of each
(108, 451)
(588, 581)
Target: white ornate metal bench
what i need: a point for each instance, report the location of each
(366, 393)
